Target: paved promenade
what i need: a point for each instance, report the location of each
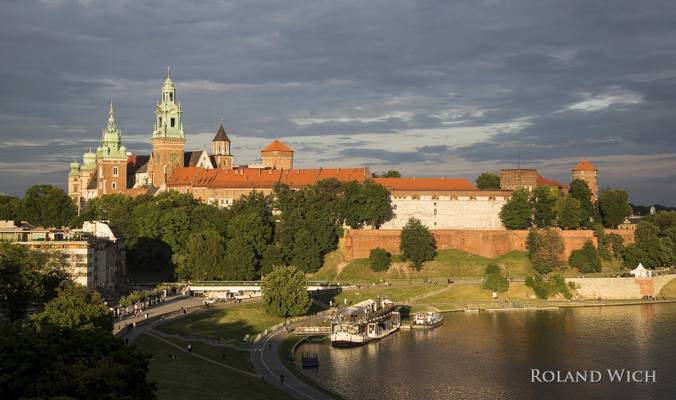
(175, 304)
(267, 363)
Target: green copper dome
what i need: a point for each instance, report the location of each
(74, 169)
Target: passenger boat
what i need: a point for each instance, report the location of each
(365, 321)
(427, 320)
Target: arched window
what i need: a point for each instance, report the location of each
(171, 97)
(114, 185)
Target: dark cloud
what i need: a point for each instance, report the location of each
(340, 69)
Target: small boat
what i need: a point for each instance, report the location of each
(365, 321)
(309, 360)
(427, 320)
(471, 308)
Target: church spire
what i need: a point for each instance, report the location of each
(168, 112)
(111, 138)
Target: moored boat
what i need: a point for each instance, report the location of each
(427, 320)
(365, 321)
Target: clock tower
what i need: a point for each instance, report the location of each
(168, 138)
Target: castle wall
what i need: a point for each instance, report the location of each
(619, 288)
(515, 179)
(487, 243)
(446, 212)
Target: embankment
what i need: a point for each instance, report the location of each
(488, 243)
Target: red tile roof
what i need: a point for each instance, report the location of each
(584, 165)
(542, 181)
(277, 145)
(425, 183)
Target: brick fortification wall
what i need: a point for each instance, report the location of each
(359, 242)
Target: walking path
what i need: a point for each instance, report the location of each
(142, 324)
(266, 360)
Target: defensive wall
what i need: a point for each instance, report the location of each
(488, 243)
(619, 288)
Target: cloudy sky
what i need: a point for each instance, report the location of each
(432, 88)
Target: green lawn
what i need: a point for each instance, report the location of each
(188, 377)
(226, 322)
(669, 290)
(398, 294)
(450, 263)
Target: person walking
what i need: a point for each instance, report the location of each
(189, 347)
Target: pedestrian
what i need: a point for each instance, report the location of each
(189, 347)
(282, 379)
(269, 346)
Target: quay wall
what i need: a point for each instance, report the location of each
(619, 288)
(487, 243)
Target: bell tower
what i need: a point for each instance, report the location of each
(111, 159)
(168, 138)
(220, 148)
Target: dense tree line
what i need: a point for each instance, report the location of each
(547, 207)
(42, 205)
(654, 242)
(67, 350)
(242, 242)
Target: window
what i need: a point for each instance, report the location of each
(160, 124)
(435, 212)
(173, 122)
(114, 185)
(171, 97)
(115, 171)
(394, 207)
(394, 215)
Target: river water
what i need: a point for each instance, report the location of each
(489, 355)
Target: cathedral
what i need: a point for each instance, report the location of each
(112, 169)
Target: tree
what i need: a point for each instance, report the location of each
(76, 307)
(388, 174)
(306, 254)
(272, 257)
(376, 208)
(202, 258)
(654, 251)
(545, 249)
(494, 280)
(10, 208)
(240, 259)
(614, 207)
(47, 205)
(28, 276)
(63, 363)
(379, 259)
(517, 213)
(570, 213)
(544, 203)
(586, 260)
(488, 180)
(580, 191)
(285, 293)
(417, 243)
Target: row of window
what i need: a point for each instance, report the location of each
(172, 122)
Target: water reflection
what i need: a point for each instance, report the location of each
(489, 355)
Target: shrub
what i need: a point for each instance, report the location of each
(492, 269)
(538, 285)
(544, 289)
(586, 260)
(379, 259)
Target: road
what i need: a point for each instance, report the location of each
(162, 309)
(267, 363)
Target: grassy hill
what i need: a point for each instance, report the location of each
(449, 263)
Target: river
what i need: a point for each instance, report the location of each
(490, 355)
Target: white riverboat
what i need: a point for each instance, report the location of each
(365, 321)
(427, 320)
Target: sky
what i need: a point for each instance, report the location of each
(430, 88)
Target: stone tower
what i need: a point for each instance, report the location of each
(111, 159)
(277, 155)
(74, 185)
(168, 138)
(220, 148)
(587, 172)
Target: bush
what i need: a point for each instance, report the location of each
(379, 259)
(544, 289)
(492, 269)
(586, 260)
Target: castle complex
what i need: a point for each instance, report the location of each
(440, 203)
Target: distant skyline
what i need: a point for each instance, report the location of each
(434, 88)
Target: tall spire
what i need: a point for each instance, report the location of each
(111, 138)
(111, 113)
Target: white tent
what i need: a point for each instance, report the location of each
(641, 271)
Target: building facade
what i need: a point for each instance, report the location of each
(95, 254)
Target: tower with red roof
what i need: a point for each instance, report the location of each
(277, 155)
(587, 172)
